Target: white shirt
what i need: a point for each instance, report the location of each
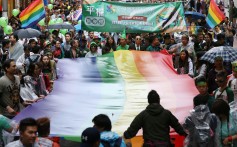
(221, 95)
(20, 61)
(19, 144)
(138, 48)
(233, 86)
(62, 37)
(89, 54)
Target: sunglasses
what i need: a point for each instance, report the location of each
(138, 39)
(93, 46)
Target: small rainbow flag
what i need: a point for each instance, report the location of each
(215, 16)
(31, 15)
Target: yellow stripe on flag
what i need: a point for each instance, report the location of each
(213, 15)
(157, 80)
(25, 17)
(141, 74)
(136, 90)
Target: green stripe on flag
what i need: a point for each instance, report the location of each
(212, 20)
(73, 138)
(108, 69)
(33, 15)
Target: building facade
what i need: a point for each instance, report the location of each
(6, 6)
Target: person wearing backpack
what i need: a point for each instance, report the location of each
(21, 62)
(29, 57)
(223, 91)
(107, 137)
(201, 125)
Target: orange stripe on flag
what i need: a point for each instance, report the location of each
(216, 11)
(214, 17)
(31, 7)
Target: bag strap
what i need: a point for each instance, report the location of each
(221, 92)
(230, 83)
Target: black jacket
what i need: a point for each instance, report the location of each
(155, 122)
(132, 47)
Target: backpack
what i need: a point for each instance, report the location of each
(226, 89)
(117, 143)
(33, 59)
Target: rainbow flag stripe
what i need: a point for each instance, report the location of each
(115, 84)
(215, 16)
(31, 15)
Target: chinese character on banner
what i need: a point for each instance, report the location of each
(100, 12)
(90, 9)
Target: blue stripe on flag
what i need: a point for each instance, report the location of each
(33, 22)
(35, 18)
(210, 23)
(45, 2)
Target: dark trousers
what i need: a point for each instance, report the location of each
(157, 144)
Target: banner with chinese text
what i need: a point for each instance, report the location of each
(134, 17)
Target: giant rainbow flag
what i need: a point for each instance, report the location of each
(31, 15)
(116, 84)
(215, 16)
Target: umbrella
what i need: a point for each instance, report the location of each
(27, 33)
(195, 15)
(228, 53)
(77, 27)
(61, 26)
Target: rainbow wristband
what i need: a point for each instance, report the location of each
(230, 138)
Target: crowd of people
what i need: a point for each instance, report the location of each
(28, 69)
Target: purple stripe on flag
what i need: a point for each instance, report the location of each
(79, 94)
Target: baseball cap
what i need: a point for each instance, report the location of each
(93, 43)
(89, 136)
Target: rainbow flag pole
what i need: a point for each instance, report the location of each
(215, 16)
(31, 15)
